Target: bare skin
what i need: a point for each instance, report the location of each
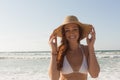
(74, 55)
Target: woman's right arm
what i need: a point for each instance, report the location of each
(54, 74)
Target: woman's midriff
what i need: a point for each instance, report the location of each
(74, 76)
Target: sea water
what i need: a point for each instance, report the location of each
(34, 65)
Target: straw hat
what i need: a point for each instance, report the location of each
(73, 19)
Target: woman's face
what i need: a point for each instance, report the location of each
(71, 32)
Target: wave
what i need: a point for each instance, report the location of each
(24, 57)
(48, 57)
(46, 54)
(108, 56)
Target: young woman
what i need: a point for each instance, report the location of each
(72, 60)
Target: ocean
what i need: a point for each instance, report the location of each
(33, 65)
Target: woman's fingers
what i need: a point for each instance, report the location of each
(50, 37)
(93, 33)
(53, 41)
(91, 36)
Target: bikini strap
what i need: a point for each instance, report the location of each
(82, 49)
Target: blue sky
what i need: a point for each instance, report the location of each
(25, 25)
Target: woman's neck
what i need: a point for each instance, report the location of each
(73, 46)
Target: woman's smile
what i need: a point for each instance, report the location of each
(72, 37)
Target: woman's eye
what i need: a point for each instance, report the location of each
(75, 29)
(66, 30)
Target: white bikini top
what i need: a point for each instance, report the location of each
(67, 69)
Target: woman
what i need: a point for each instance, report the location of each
(72, 60)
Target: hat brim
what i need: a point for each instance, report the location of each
(85, 27)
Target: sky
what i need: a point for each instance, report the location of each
(25, 25)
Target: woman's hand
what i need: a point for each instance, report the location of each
(91, 37)
(53, 43)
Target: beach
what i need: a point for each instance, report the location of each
(34, 65)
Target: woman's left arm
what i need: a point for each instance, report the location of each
(94, 68)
